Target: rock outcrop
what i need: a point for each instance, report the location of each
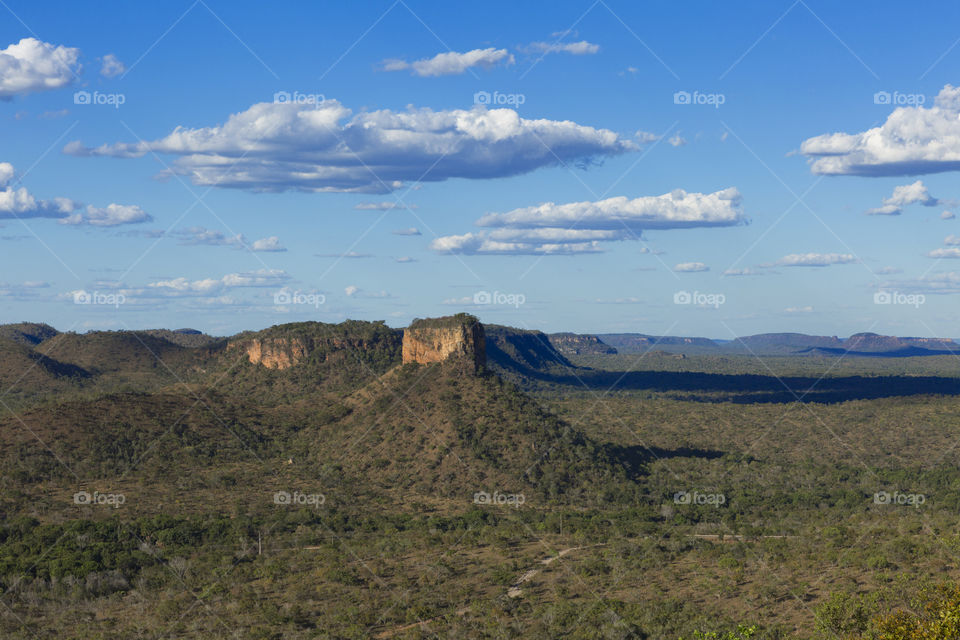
(276, 353)
(459, 337)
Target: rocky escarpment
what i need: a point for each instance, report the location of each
(574, 344)
(285, 346)
(460, 338)
(274, 353)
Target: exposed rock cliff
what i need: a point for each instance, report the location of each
(276, 353)
(458, 337)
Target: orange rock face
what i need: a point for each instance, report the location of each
(431, 344)
(276, 353)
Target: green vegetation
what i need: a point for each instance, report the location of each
(156, 487)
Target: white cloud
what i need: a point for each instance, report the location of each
(31, 66)
(952, 253)
(677, 209)
(948, 215)
(351, 290)
(17, 202)
(889, 271)
(904, 195)
(452, 62)
(812, 260)
(691, 267)
(110, 216)
(807, 309)
(412, 231)
(208, 286)
(677, 140)
(912, 141)
(321, 147)
(111, 67)
(404, 259)
(576, 48)
(271, 244)
(580, 227)
(204, 236)
(952, 239)
(382, 206)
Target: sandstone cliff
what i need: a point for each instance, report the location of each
(459, 338)
(275, 353)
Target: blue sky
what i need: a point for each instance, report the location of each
(230, 166)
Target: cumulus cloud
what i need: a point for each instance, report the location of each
(948, 215)
(111, 67)
(792, 310)
(676, 140)
(18, 202)
(904, 195)
(743, 272)
(691, 267)
(576, 48)
(912, 141)
(412, 231)
(322, 147)
(452, 62)
(110, 216)
(404, 259)
(812, 260)
(580, 227)
(271, 244)
(31, 66)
